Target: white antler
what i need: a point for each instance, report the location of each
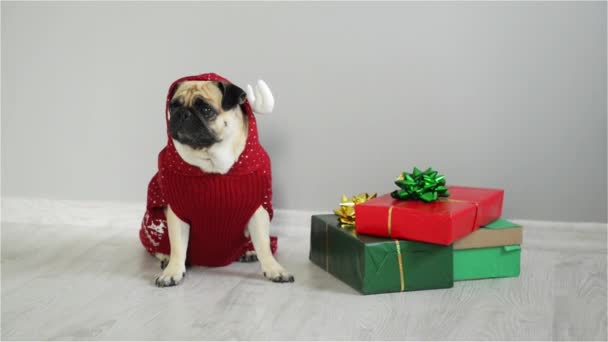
(260, 98)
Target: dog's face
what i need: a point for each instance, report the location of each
(203, 113)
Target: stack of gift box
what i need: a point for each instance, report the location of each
(426, 235)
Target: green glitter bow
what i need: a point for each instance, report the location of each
(427, 186)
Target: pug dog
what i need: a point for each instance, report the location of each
(211, 197)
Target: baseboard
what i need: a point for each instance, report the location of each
(129, 214)
(103, 213)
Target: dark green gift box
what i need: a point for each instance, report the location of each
(376, 265)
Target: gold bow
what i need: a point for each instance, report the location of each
(346, 211)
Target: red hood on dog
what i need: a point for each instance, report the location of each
(217, 207)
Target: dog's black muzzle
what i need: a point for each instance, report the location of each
(190, 128)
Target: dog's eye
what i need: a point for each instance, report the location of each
(208, 112)
(205, 109)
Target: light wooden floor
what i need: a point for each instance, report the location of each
(87, 282)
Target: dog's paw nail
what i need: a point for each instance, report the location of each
(283, 278)
(170, 278)
(278, 275)
(164, 263)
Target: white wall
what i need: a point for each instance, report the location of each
(500, 94)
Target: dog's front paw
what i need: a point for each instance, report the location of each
(171, 276)
(277, 273)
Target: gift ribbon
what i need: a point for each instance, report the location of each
(389, 223)
(465, 201)
(400, 261)
(399, 258)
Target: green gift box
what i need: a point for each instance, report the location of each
(493, 251)
(371, 264)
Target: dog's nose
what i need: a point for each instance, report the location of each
(182, 113)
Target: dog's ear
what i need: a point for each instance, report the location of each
(231, 95)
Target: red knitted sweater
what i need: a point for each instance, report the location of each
(217, 207)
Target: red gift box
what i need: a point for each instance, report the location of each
(441, 222)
